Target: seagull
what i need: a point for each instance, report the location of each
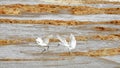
(70, 45)
(43, 42)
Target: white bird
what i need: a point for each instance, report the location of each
(70, 45)
(44, 42)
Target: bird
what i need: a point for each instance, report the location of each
(43, 42)
(70, 45)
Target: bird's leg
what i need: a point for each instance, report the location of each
(58, 45)
(70, 52)
(71, 55)
(47, 48)
(43, 51)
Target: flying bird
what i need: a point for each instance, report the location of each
(43, 42)
(70, 45)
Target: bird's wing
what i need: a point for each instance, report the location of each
(39, 40)
(72, 42)
(62, 40)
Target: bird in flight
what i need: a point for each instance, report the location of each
(43, 42)
(70, 45)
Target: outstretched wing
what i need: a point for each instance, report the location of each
(62, 40)
(39, 40)
(72, 42)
